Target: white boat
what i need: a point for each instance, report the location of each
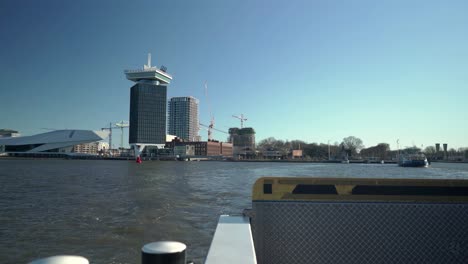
(346, 160)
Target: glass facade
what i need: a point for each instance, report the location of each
(148, 113)
(183, 117)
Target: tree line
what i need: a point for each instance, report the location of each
(353, 148)
(350, 146)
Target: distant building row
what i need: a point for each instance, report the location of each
(200, 148)
(90, 142)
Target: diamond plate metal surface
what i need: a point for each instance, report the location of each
(360, 232)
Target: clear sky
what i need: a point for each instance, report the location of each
(310, 70)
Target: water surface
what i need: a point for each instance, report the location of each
(106, 210)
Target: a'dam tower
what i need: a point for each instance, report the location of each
(148, 100)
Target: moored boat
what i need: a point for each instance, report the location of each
(413, 160)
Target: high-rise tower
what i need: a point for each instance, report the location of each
(148, 99)
(183, 117)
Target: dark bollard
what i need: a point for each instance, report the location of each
(61, 260)
(163, 252)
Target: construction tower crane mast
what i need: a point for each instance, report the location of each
(110, 127)
(241, 118)
(210, 128)
(212, 122)
(121, 125)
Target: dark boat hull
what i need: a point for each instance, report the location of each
(414, 163)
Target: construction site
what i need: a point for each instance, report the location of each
(183, 143)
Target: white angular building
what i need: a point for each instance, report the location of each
(59, 141)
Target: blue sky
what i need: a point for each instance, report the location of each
(310, 70)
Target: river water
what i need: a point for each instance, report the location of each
(107, 210)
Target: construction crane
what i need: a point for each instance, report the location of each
(110, 133)
(122, 124)
(210, 128)
(241, 118)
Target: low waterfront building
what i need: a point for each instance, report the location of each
(91, 148)
(272, 154)
(297, 154)
(226, 149)
(204, 148)
(185, 150)
(59, 141)
(170, 137)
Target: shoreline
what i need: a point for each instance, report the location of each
(207, 159)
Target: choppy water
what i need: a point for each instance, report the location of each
(106, 210)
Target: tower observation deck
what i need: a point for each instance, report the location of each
(149, 73)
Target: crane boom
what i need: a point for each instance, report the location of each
(110, 134)
(206, 126)
(121, 125)
(212, 122)
(241, 118)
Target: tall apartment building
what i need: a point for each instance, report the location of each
(183, 117)
(148, 98)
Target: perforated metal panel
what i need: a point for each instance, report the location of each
(360, 232)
